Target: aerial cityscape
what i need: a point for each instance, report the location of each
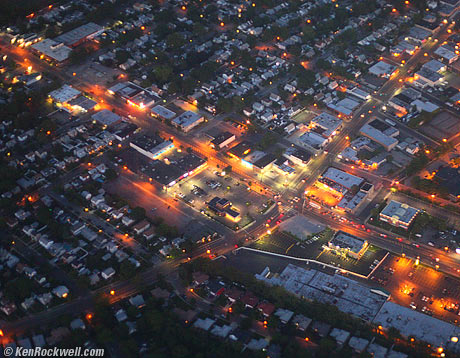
(230, 178)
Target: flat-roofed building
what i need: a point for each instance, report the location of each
(260, 160)
(223, 207)
(222, 140)
(64, 94)
(187, 121)
(382, 69)
(80, 34)
(326, 124)
(342, 178)
(379, 137)
(106, 118)
(151, 146)
(418, 34)
(162, 112)
(52, 51)
(361, 94)
(143, 100)
(398, 214)
(435, 66)
(240, 150)
(344, 107)
(348, 245)
(312, 140)
(428, 77)
(447, 54)
(297, 156)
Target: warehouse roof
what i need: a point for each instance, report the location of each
(81, 32)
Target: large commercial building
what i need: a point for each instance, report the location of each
(170, 173)
(52, 51)
(151, 146)
(346, 294)
(71, 100)
(347, 244)
(80, 34)
(398, 214)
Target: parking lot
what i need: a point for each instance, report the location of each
(420, 287)
(312, 248)
(201, 188)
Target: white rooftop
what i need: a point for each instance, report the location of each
(382, 69)
(52, 49)
(418, 325)
(64, 94)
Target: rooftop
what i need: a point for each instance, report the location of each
(106, 117)
(52, 49)
(348, 295)
(328, 122)
(241, 149)
(71, 37)
(345, 106)
(418, 325)
(400, 212)
(347, 241)
(378, 136)
(187, 118)
(340, 177)
(446, 52)
(382, 68)
(163, 112)
(64, 94)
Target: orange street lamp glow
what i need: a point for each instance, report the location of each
(222, 24)
(112, 293)
(444, 140)
(208, 251)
